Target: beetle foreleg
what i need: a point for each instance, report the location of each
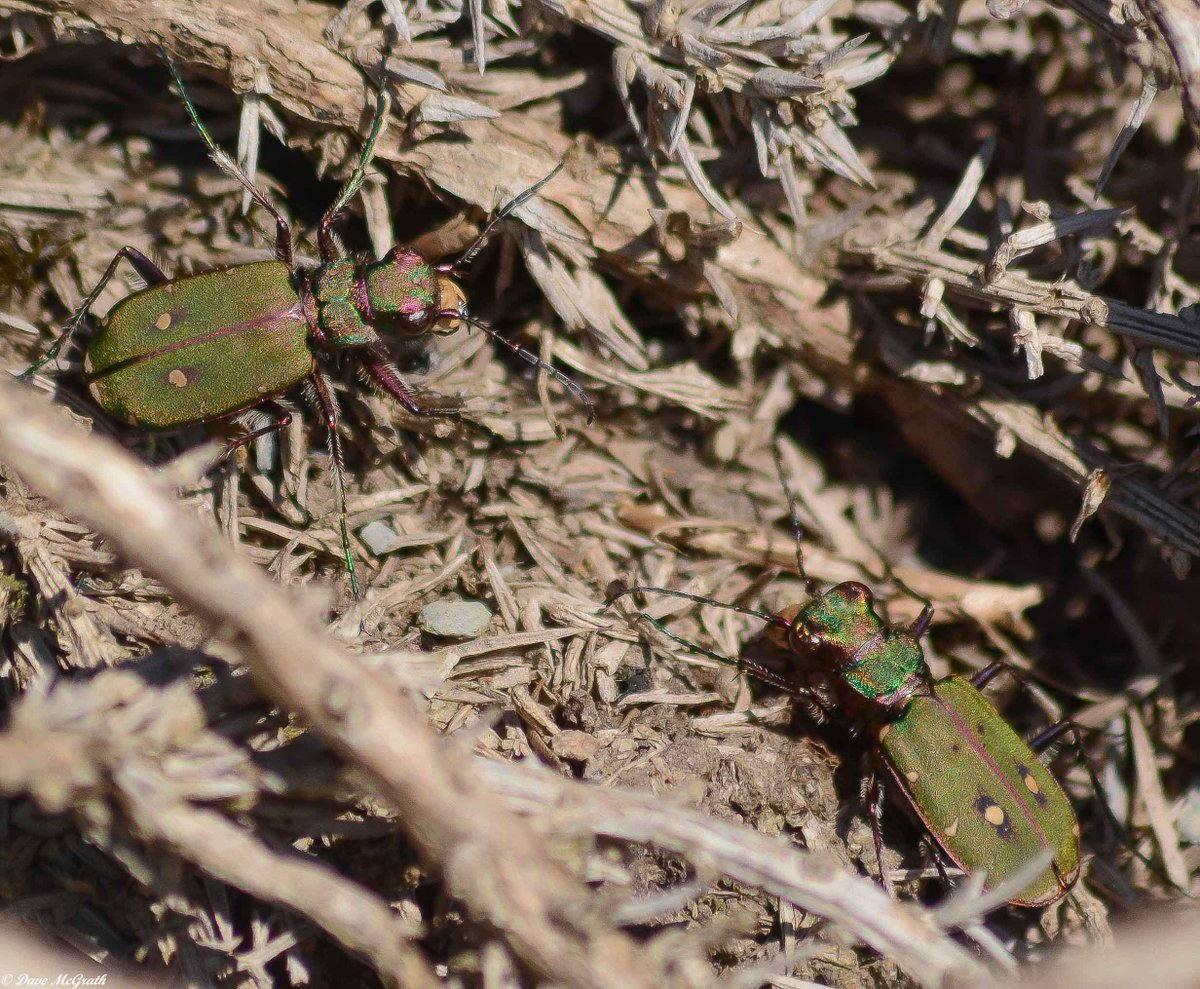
(921, 623)
(149, 272)
(384, 374)
(815, 706)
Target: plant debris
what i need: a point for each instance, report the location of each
(941, 256)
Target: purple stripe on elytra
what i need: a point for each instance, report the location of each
(226, 331)
(986, 756)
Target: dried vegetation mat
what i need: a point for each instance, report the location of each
(942, 256)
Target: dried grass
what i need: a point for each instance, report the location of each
(777, 223)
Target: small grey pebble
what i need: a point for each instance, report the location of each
(452, 618)
(379, 536)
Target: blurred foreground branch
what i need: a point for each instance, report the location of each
(486, 857)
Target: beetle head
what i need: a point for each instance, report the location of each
(837, 620)
(408, 295)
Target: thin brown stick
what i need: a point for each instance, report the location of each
(811, 882)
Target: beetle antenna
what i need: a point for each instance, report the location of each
(527, 355)
(618, 590)
(516, 202)
(811, 586)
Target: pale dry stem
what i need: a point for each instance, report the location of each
(487, 858)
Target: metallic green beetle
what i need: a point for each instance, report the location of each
(975, 783)
(979, 789)
(225, 344)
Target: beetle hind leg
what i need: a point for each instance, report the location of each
(323, 398)
(147, 270)
(874, 788)
(935, 853)
(262, 420)
(1046, 738)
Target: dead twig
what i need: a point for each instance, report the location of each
(811, 882)
(487, 858)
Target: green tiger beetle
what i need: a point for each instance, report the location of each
(975, 784)
(227, 343)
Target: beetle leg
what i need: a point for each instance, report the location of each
(147, 270)
(385, 375)
(283, 233)
(875, 812)
(921, 623)
(1047, 737)
(935, 853)
(329, 414)
(329, 248)
(987, 674)
(282, 419)
(815, 705)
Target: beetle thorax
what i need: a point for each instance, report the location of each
(336, 289)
